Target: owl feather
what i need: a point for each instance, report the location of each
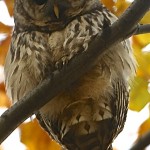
(90, 113)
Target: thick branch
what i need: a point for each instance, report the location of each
(79, 65)
(142, 142)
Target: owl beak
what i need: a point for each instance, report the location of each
(56, 11)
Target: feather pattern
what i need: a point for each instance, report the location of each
(89, 114)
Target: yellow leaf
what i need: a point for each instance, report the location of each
(144, 66)
(116, 7)
(141, 40)
(145, 127)
(4, 101)
(109, 4)
(139, 95)
(2, 87)
(146, 18)
(35, 138)
(10, 6)
(143, 58)
(4, 45)
(5, 29)
(121, 6)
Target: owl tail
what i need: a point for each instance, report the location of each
(83, 125)
(87, 125)
(98, 140)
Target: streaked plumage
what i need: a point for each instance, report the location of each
(90, 113)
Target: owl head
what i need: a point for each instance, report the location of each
(50, 13)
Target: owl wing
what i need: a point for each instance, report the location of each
(80, 133)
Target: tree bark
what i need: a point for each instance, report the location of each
(142, 142)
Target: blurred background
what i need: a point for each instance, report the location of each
(29, 135)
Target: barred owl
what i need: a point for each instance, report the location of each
(89, 114)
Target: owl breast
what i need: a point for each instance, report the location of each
(33, 55)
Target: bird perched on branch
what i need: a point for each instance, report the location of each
(90, 113)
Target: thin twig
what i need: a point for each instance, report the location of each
(142, 142)
(125, 26)
(143, 29)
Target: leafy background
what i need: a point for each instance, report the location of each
(30, 133)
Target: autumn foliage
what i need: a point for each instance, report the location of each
(31, 133)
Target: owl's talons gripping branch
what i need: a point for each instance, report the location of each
(52, 86)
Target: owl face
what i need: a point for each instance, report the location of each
(52, 9)
(46, 12)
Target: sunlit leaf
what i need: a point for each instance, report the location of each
(141, 40)
(36, 138)
(2, 87)
(109, 4)
(5, 29)
(121, 6)
(139, 95)
(10, 6)
(144, 65)
(144, 127)
(4, 101)
(143, 58)
(146, 18)
(117, 7)
(4, 45)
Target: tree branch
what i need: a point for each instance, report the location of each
(142, 142)
(120, 30)
(142, 29)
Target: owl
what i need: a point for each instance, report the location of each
(91, 112)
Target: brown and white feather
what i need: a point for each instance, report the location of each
(90, 113)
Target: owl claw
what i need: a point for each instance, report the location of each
(63, 61)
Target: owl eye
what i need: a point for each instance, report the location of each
(40, 2)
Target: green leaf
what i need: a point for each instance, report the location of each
(139, 95)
